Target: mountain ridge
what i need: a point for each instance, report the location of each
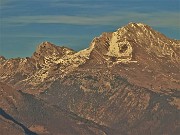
(128, 44)
(131, 75)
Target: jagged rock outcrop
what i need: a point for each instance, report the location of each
(125, 79)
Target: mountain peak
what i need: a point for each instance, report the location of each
(2, 58)
(128, 42)
(50, 48)
(136, 27)
(46, 43)
(137, 24)
(44, 46)
(46, 49)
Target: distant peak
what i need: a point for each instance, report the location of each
(45, 44)
(48, 45)
(133, 24)
(137, 30)
(2, 58)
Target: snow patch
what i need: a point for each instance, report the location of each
(119, 49)
(140, 24)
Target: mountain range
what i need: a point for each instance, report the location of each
(126, 82)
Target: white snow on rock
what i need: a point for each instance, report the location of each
(118, 48)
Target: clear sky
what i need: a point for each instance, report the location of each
(74, 23)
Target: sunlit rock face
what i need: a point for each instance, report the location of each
(126, 82)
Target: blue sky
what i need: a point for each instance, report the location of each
(74, 23)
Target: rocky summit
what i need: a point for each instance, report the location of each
(126, 83)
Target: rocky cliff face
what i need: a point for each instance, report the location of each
(126, 82)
